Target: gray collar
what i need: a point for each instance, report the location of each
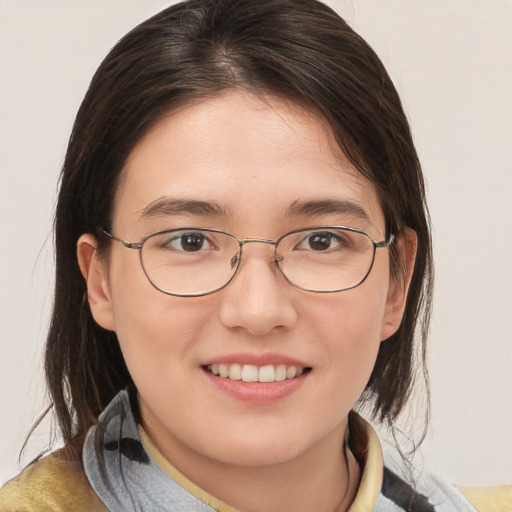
(120, 471)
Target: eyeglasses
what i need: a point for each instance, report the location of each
(191, 262)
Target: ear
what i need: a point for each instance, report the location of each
(406, 246)
(95, 274)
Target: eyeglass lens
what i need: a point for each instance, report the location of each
(197, 261)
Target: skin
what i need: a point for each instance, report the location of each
(253, 157)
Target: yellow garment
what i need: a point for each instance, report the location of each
(366, 448)
(489, 499)
(54, 484)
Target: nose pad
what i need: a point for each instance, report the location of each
(235, 260)
(278, 259)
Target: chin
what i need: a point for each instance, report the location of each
(258, 447)
(257, 455)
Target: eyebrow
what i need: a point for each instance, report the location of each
(327, 206)
(178, 206)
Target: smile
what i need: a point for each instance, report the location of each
(253, 373)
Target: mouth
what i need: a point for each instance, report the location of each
(252, 373)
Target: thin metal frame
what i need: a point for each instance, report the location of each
(236, 260)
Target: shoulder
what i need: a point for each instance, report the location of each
(54, 483)
(406, 486)
(489, 499)
(391, 483)
(431, 492)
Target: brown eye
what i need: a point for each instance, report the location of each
(187, 242)
(321, 241)
(192, 242)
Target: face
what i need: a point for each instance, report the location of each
(252, 160)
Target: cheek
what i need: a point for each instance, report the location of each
(349, 328)
(352, 320)
(155, 331)
(149, 325)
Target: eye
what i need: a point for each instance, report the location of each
(322, 241)
(188, 242)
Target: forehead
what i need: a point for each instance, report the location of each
(244, 155)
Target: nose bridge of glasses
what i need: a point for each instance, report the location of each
(246, 241)
(256, 240)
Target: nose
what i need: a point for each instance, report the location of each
(258, 299)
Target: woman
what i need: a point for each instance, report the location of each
(243, 255)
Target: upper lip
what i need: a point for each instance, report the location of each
(256, 360)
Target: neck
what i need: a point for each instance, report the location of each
(325, 477)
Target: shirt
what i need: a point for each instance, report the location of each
(124, 472)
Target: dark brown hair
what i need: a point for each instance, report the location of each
(298, 49)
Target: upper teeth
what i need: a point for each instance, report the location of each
(253, 373)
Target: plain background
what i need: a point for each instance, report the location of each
(452, 63)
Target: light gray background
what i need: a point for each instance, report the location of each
(451, 61)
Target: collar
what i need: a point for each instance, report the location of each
(365, 445)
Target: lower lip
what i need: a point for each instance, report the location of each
(257, 392)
